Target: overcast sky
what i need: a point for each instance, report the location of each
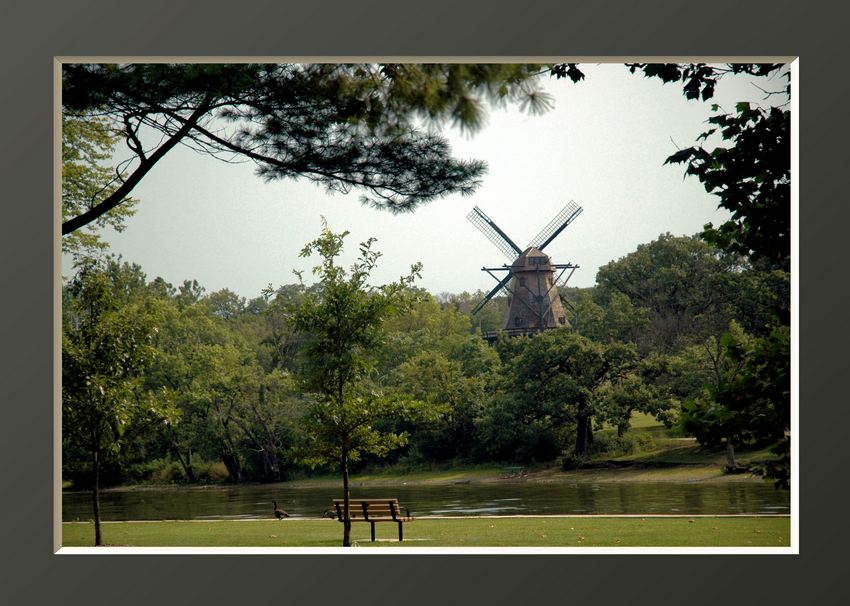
(602, 145)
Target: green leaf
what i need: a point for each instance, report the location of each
(683, 155)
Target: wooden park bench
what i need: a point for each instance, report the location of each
(372, 511)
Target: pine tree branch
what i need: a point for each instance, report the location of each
(144, 167)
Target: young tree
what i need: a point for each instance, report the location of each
(107, 327)
(341, 323)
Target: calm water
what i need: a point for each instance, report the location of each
(503, 498)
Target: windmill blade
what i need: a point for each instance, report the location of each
(556, 225)
(493, 233)
(493, 293)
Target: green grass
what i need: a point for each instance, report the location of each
(452, 532)
(641, 420)
(395, 475)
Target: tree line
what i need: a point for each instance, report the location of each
(210, 386)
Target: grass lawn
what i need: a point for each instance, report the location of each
(449, 532)
(393, 476)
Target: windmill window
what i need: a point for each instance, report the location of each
(537, 260)
(562, 320)
(522, 281)
(518, 321)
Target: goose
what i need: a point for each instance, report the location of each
(279, 513)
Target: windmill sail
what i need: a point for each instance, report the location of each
(494, 234)
(556, 225)
(492, 293)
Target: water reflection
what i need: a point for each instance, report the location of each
(508, 498)
(692, 499)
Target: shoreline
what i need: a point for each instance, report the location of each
(684, 473)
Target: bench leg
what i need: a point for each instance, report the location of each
(373, 532)
(400, 533)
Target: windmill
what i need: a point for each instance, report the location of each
(534, 304)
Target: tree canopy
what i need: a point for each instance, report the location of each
(556, 375)
(750, 173)
(343, 126)
(685, 286)
(87, 147)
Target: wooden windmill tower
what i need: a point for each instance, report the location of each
(534, 304)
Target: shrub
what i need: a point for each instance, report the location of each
(637, 441)
(632, 442)
(573, 461)
(210, 472)
(169, 471)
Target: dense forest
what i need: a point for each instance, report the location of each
(211, 384)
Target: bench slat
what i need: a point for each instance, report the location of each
(371, 510)
(370, 501)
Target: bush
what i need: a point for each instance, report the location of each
(573, 461)
(169, 471)
(638, 441)
(607, 443)
(210, 472)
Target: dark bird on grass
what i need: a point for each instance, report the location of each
(279, 513)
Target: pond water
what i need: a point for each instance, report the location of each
(502, 498)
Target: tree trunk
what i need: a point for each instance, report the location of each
(731, 464)
(234, 469)
(230, 458)
(186, 464)
(270, 450)
(623, 425)
(274, 464)
(98, 539)
(346, 523)
(581, 435)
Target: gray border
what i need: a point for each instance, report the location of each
(33, 35)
